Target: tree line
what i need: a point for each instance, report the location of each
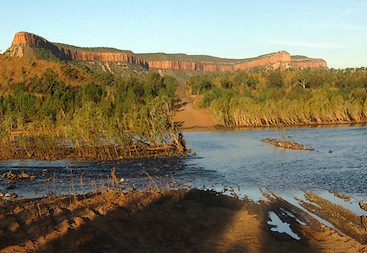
(108, 118)
(284, 97)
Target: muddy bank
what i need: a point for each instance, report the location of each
(95, 153)
(163, 221)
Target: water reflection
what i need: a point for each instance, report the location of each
(281, 227)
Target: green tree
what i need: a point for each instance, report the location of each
(275, 79)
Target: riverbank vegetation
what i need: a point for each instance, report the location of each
(47, 117)
(284, 97)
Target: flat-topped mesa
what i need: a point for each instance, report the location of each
(277, 59)
(64, 53)
(25, 38)
(206, 66)
(160, 60)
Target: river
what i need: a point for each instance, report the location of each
(239, 158)
(223, 159)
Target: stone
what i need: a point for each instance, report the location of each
(9, 175)
(23, 175)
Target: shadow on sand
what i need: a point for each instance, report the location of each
(160, 221)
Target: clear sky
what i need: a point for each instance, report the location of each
(335, 30)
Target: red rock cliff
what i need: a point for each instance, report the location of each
(261, 61)
(24, 38)
(264, 60)
(216, 67)
(191, 65)
(168, 64)
(309, 63)
(64, 53)
(29, 39)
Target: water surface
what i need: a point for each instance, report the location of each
(235, 159)
(239, 158)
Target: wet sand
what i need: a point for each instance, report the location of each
(168, 221)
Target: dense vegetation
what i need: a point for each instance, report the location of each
(14, 70)
(52, 110)
(289, 97)
(105, 118)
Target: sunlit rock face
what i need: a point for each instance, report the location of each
(281, 59)
(24, 38)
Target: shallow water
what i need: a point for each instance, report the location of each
(235, 159)
(281, 227)
(238, 158)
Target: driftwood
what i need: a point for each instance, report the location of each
(286, 144)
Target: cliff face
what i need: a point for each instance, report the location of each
(281, 58)
(191, 65)
(309, 63)
(275, 60)
(169, 64)
(100, 56)
(23, 38)
(265, 60)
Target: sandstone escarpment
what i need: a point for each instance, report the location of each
(304, 62)
(275, 60)
(169, 64)
(64, 53)
(190, 65)
(160, 61)
(265, 60)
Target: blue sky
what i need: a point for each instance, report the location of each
(333, 30)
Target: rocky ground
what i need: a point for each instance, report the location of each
(170, 221)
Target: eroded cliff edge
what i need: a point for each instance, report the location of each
(23, 41)
(66, 52)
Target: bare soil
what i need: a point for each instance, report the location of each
(194, 116)
(160, 221)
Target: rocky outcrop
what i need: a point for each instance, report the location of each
(308, 63)
(275, 60)
(101, 56)
(216, 67)
(169, 64)
(191, 65)
(65, 52)
(25, 38)
(286, 144)
(264, 60)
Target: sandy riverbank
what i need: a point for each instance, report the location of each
(162, 221)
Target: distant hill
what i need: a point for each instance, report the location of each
(116, 61)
